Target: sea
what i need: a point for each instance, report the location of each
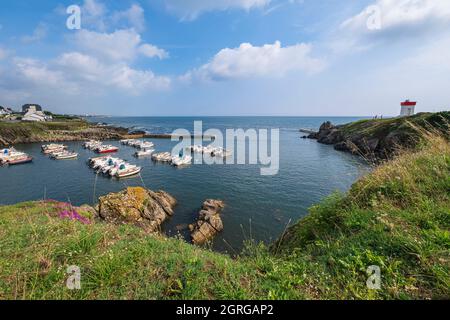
(257, 208)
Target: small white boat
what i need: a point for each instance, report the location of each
(146, 145)
(182, 161)
(92, 161)
(7, 154)
(162, 157)
(220, 152)
(12, 157)
(65, 155)
(127, 171)
(111, 165)
(92, 144)
(133, 142)
(144, 153)
(53, 148)
(196, 149)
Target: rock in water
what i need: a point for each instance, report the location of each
(138, 206)
(209, 222)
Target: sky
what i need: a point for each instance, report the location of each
(226, 57)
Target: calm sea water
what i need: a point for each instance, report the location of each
(257, 206)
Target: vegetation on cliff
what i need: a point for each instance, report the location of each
(381, 138)
(60, 130)
(396, 218)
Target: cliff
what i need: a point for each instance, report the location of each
(57, 131)
(381, 139)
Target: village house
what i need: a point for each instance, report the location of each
(33, 112)
(5, 111)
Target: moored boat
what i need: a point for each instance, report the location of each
(182, 161)
(127, 171)
(107, 149)
(53, 148)
(11, 156)
(92, 144)
(146, 145)
(220, 152)
(65, 155)
(19, 160)
(144, 153)
(162, 157)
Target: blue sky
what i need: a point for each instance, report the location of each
(226, 57)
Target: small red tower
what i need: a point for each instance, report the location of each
(408, 108)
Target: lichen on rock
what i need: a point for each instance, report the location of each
(209, 222)
(138, 206)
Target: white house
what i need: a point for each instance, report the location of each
(5, 111)
(34, 113)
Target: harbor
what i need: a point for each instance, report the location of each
(267, 204)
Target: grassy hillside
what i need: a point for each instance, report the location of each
(397, 218)
(381, 138)
(116, 262)
(59, 130)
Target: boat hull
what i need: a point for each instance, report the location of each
(128, 174)
(108, 151)
(19, 161)
(66, 157)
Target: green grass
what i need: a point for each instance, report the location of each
(24, 132)
(40, 127)
(380, 128)
(397, 218)
(116, 262)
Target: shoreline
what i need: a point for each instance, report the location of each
(12, 133)
(381, 139)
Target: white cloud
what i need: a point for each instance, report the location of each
(75, 73)
(95, 15)
(94, 8)
(96, 63)
(395, 13)
(3, 54)
(151, 51)
(28, 73)
(39, 33)
(250, 61)
(191, 9)
(392, 19)
(90, 71)
(134, 15)
(121, 45)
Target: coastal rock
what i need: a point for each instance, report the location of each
(138, 206)
(380, 139)
(209, 222)
(328, 134)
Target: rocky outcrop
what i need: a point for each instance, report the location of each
(33, 132)
(209, 222)
(137, 206)
(381, 139)
(328, 134)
